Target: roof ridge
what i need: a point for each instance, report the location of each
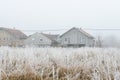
(79, 29)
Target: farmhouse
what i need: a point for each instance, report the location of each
(42, 39)
(76, 37)
(11, 37)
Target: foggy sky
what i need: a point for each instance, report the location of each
(61, 14)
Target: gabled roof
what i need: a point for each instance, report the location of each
(15, 33)
(84, 32)
(80, 30)
(51, 36)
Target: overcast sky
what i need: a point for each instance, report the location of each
(60, 14)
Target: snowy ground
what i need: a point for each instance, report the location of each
(59, 63)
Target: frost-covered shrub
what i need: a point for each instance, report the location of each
(59, 63)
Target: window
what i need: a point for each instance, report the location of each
(41, 39)
(33, 39)
(65, 39)
(68, 40)
(82, 40)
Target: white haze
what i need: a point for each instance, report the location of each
(61, 14)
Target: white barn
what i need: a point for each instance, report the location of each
(76, 37)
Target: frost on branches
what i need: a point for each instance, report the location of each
(59, 63)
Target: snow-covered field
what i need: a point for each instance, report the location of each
(59, 63)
